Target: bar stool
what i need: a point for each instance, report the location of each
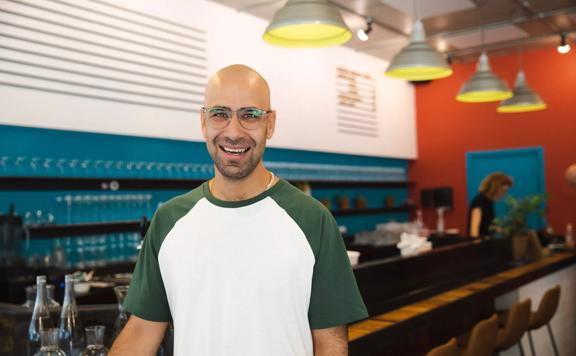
(481, 342)
(516, 323)
(542, 316)
(448, 349)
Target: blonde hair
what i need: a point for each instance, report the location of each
(490, 186)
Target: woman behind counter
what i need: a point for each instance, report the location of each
(481, 210)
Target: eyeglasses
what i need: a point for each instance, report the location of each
(218, 117)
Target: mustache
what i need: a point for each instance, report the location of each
(238, 142)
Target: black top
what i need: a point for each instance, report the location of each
(487, 207)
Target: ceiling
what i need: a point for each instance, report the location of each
(452, 26)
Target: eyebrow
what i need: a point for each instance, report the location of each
(221, 107)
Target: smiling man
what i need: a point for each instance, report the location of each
(245, 264)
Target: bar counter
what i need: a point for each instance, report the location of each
(415, 328)
(415, 302)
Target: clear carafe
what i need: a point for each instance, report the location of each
(31, 297)
(95, 337)
(70, 330)
(49, 344)
(41, 319)
(122, 319)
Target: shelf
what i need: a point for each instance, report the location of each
(115, 184)
(365, 184)
(372, 211)
(105, 184)
(54, 231)
(57, 273)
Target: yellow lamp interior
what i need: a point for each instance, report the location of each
(484, 96)
(521, 108)
(419, 73)
(308, 35)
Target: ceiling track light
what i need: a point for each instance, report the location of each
(362, 33)
(564, 46)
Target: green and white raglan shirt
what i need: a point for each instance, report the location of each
(244, 278)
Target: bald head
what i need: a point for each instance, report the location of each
(571, 175)
(237, 86)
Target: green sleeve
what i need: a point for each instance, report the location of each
(146, 295)
(335, 298)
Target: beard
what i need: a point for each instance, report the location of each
(235, 169)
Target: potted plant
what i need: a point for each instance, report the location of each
(514, 225)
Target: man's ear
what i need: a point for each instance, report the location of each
(203, 123)
(271, 125)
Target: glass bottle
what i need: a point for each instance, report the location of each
(52, 303)
(95, 336)
(31, 297)
(41, 319)
(49, 344)
(122, 319)
(440, 221)
(570, 243)
(70, 330)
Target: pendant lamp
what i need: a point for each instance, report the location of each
(524, 99)
(418, 60)
(307, 24)
(484, 86)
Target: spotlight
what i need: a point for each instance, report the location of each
(563, 47)
(363, 33)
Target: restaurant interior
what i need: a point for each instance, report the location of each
(393, 114)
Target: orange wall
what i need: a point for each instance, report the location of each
(447, 129)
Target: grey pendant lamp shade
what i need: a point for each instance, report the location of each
(484, 86)
(524, 99)
(307, 23)
(418, 60)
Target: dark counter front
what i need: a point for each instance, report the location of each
(393, 282)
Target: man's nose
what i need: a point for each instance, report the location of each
(234, 129)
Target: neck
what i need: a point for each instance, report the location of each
(229, 189)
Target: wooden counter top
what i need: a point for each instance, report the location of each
(455, 310)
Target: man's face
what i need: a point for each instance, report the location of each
(237, 151)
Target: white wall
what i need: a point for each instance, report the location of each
(303, 84)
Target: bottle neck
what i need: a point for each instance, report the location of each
(69, 295)
(69, 305)
(40, 305)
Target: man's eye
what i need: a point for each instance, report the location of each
(220, 115)
(251, 115)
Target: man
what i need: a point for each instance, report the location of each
(571, 175)
(245, 264)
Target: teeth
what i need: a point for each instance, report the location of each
(237, 151)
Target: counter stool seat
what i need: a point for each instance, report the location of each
(448, 349)
(542, 316)
(480, 342)
(515, 324)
